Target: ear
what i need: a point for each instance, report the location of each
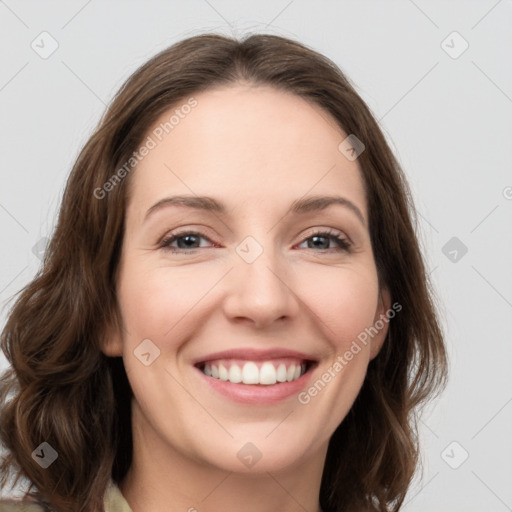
(111, 344)
(380, 322)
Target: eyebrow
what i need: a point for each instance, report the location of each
(299, 206)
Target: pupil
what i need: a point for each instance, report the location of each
(320, 237)
(187, 237)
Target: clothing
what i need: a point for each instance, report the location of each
(113, 500)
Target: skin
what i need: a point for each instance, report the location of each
(257, 150)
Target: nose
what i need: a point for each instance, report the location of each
(261, 292)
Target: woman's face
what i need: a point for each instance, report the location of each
(260, 291)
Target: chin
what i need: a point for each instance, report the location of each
(257, 455)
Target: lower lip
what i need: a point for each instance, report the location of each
(258, 394)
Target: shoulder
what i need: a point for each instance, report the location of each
(19, 506)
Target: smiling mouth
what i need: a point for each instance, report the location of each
(266, 373)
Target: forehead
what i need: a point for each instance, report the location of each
(252, 145)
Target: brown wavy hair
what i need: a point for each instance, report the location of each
(60, 387)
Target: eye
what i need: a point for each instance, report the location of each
(321, 238)
(187, 241)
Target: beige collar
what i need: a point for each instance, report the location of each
(114, 501)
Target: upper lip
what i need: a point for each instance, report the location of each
(252, 354)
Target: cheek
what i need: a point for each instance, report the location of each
(345, 300)
(156, 303)
(345, 304)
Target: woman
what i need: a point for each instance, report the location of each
(276, 365)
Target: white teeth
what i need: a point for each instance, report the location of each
(250, 374)
(235, 374)
(223, 373)
(267, 375)
(281, 373)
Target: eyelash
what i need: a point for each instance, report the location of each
(344, 244)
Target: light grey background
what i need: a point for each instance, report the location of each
(448, 119)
